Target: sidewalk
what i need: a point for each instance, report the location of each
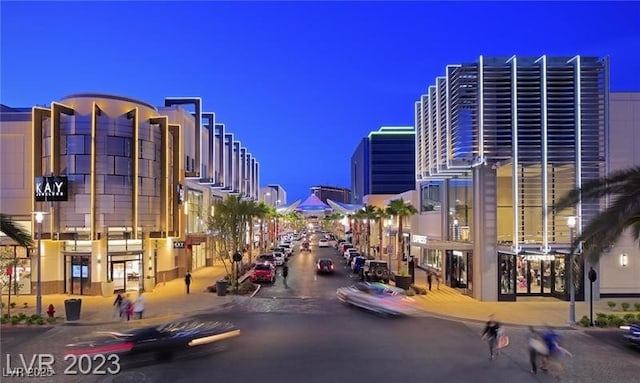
(451, 303)
(167, 301)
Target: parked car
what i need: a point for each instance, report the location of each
(377, 297)
(323, 243)
(263, 272)
(279, 257)
(324, 266)
(267, 258)
(376, 271)
(160, 341)
(357, 263)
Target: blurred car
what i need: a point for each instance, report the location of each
(306, 246)
(324, 266)
(263, 272)
(323, 243)
(377, 297)
(162, 341)
(632, 333)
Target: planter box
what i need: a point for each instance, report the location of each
(403, 281)
(149, 284)
(106, 288)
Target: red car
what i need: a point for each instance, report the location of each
(263, 272)
(324, 266)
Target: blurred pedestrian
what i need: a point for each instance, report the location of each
(117, 304)
(552, 341)
(126, 308)
(536, 347)
(490, 333)
(429, 278)
(285, 274)
(138, 305)
(187, 281)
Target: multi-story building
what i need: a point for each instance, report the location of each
(383, 163)
(498, 142)
(125, 187)
(274, 195)
(333, 193)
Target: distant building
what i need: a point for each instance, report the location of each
(384, 163)
(273, 195)
(332, 192)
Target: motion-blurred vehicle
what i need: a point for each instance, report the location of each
(632, 333)
(162, 341)
(377, 297)
(306, 246)
(324, 266)
(323, 243)
(263, 272)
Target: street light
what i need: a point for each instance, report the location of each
(571, 223)
(39, 218)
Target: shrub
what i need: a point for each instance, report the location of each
(51, 320)
(616, 321)
(585, 321)
(602, 322)
(40, 321)
(4, 320)
(12, 305)
(611, 304)
(625, 306)
(637, 306)
(629, 318)
(35, 317)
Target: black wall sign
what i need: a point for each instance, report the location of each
(180, 194)
(51, 188)
(178, 245)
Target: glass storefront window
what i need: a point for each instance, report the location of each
(195, 219)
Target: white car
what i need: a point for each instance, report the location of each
(378, 297)
(323, 243)
(280, 258)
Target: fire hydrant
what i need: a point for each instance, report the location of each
(50, 311)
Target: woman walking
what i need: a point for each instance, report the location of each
(490, 333)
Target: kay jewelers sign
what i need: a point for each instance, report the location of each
(51, 188)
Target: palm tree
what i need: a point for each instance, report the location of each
(15, 232)
(369, 213)
(262, 211)
(623, 213)
(381, 215)
(400, 209)
(22, 238)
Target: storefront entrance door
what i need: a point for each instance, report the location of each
(126, 274)
(535, 276)
(78, 274)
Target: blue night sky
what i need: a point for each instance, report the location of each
(298, 83)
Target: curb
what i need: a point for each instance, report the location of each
(482, 322)
(145, 321)
(18, 327)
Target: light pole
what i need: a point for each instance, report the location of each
(571, 222)
(39, 219)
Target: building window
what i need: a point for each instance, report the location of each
(430, 196)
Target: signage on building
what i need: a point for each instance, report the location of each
(51, 188)
(179, 245)
(545, 257)
(419, 239)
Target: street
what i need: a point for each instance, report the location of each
(304, 334)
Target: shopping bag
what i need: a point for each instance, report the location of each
(503, 341)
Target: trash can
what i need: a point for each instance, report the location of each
(72, 309)
(221, 288)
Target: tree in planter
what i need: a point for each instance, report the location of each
(401, 209)
(228, 222)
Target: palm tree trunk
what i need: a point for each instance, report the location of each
(400, 243)
(368, 237)
(250, 239)
(380, 238)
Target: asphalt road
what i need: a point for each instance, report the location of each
(304, 334)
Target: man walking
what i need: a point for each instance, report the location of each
(187, 281)
(285, 273)
(429, 279)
